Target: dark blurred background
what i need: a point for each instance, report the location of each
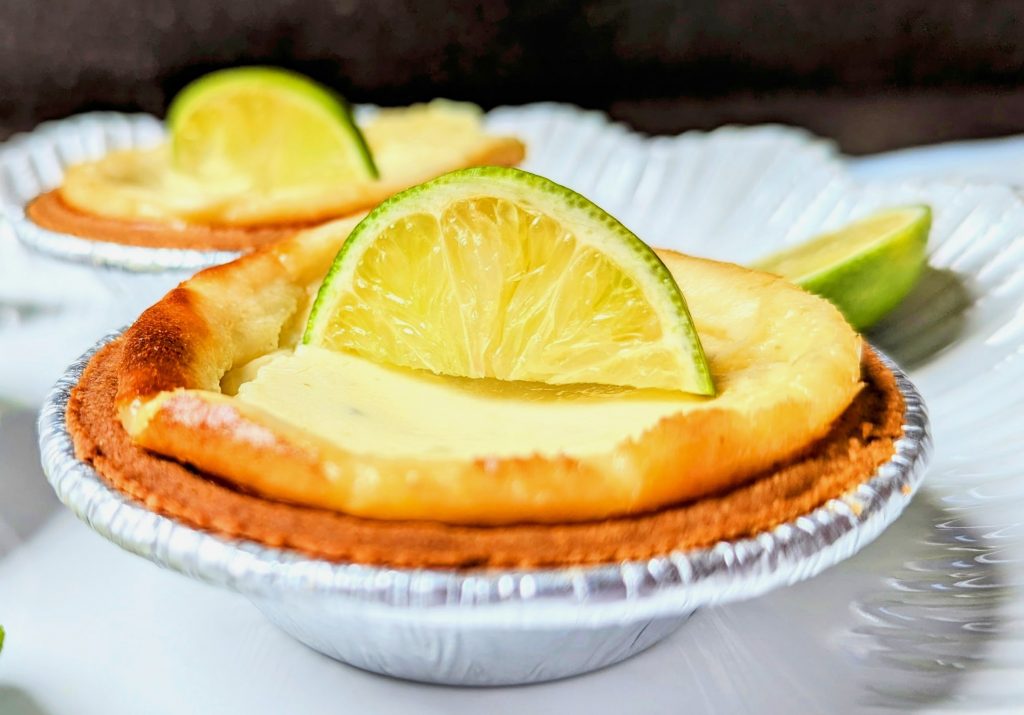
(873, 75)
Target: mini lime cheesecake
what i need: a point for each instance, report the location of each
(254, 154)
(305, 404)
(408, 146)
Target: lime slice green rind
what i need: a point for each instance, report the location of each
(865, 268)
(285, 84)
(590, 220)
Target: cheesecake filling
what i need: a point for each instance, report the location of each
(369, 408)
(409, 145)
(862, 440)
(326, 429)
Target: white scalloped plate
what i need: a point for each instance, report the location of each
(929, 618)
(95, 287)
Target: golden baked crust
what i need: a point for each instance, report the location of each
(858, 442)
(50, 211)
(227, 315)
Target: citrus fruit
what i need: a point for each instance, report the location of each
(496, 272)
(271, 126)
(865, 268)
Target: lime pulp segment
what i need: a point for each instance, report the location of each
(496, 272)
(275, 126)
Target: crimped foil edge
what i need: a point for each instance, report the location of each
(662, 586)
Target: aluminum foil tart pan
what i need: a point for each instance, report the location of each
(491, 627)
(34, 163)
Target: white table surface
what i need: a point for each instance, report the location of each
(94, 630)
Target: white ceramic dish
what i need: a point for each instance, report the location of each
(927, 619)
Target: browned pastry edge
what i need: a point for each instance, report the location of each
(860, 440)
(50, 211)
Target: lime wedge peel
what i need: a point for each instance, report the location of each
(265, 120)
(522, 203)
(865, 268)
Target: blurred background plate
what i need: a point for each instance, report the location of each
(676, 192)
(928, 618)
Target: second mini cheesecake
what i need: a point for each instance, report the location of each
(276, 179)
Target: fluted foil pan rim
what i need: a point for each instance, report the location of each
(662, 586)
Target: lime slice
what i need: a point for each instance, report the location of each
(495, 272)
(865, 268)
(274, 127)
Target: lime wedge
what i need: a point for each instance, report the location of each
(865, 268)
(495, 272)
(274, 127)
